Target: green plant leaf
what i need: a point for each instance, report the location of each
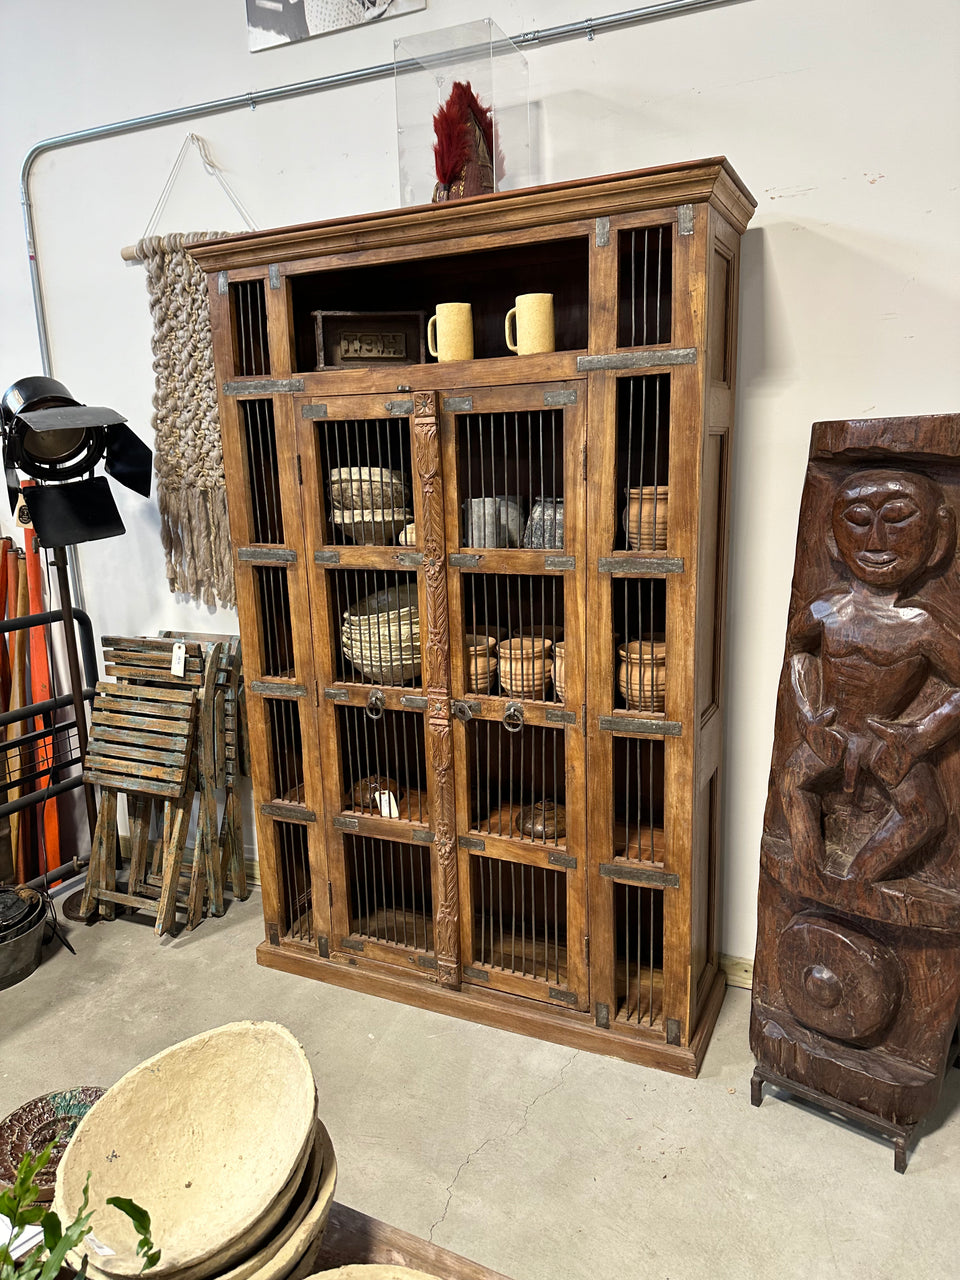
(137, 1215)
(52, 1231)
(141, 1222)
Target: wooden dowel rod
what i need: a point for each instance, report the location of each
(129, 253)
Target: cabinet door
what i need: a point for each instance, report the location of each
(514, 490)
(643, 516)
(378, 628)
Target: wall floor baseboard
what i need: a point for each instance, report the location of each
(739, 971)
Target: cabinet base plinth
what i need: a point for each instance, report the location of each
(510, 1013)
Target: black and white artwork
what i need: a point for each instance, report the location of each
(273, 22)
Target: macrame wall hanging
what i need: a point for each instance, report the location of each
(191, 489)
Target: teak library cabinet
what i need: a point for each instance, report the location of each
(482, 601)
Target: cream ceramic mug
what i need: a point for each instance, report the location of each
(532, 319)
(450, 331)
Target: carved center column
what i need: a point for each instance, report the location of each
(437, 688)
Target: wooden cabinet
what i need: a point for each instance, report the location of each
(482, 601)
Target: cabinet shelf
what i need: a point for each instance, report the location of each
(463, 591)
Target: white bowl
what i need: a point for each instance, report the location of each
(211, 1137)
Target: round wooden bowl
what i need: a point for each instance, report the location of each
(313, 1199)
(212, 1137)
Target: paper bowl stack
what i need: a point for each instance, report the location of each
(218, 1139)
(381, 636)
(370, 505)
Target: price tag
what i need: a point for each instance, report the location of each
(178, 659)
(103, 1249)
(387, 804)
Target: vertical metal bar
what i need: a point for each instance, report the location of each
(513, 917)
(243, 344)
(650, 797)
(500, 732)
(482, 932)
(556, 918)
(348, 776)
(332, 531)
(367, 679)
(631, 382)
(385, 427)
(482, 540)
(404, 849)
(521, 505)
(656, 461)
(633, 288)
(366, 796)
(376, 732)
(523, 921)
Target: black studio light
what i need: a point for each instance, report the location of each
(58, 442)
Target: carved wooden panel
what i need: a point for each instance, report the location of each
(857, 975)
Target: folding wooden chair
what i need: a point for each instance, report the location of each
(141, 742)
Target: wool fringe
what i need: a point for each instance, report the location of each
(191, 488)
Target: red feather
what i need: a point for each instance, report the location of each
(451, 125)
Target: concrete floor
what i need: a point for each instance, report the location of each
(542, 1162)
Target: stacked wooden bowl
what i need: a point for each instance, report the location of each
(642, 674)
(645, 518)
(218, 1139)
(370, 505)
(381, 636)
(479, 661)
(526, 670)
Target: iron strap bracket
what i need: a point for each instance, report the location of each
(555, 716)
(568, 997)
(263, 387)
(266, 555)
(648, 359)
(650, 565)
(278, 690)
(639, 874)
(626, 724)
(562, 860)
(289, 812)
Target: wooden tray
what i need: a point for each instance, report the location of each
(352, 1236)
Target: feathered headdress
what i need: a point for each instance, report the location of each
(464, 149)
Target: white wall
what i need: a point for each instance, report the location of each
(842, 119)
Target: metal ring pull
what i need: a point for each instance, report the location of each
(375, 704)
(513, 717)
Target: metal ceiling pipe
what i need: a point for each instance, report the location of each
(587, 27)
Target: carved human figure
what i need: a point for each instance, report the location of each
(861, 653)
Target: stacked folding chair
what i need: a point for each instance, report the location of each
(166, 732)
